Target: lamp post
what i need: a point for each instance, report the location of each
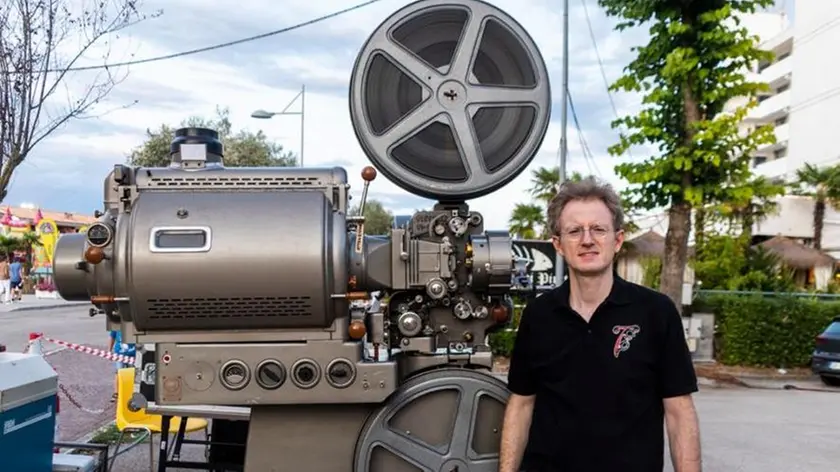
(264, 115)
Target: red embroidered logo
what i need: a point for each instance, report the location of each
(624, 334)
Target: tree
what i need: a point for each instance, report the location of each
(823, 185)
(33, 67)
(378, 220)
(243, 149)
(692, 66)
(525, 219)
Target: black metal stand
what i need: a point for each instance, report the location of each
(211, 465)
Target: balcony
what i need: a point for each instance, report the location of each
(782, 133)
(771, 109)
(771, 169)
(775, 75)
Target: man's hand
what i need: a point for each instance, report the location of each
(515, 428)
(683, 433)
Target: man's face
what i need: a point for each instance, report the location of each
(588, 240)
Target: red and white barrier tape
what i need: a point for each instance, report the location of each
(36, 338)
(93, 351)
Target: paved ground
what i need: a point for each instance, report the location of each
(88, 379)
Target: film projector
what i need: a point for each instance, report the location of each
(254, 284)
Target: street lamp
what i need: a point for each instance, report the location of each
(265, 115)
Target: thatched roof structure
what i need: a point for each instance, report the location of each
(795, 254)
(648, 244)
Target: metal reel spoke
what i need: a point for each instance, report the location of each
(500, 96)
(420, 455)
(465, 53)
(419, 70)
(406, 127)
(420, 434)
(467, 60)
(469, 147)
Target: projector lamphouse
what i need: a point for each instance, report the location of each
(450, 99)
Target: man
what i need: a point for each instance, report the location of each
(5, 280)
(118, 347)
(16, 278)
(598, 363)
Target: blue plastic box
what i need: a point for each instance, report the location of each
(28, 389)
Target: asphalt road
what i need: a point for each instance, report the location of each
(743, 430)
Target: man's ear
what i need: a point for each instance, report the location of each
(619, 240)
(555, 241)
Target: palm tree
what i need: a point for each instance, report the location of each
(524, 220)
(28, 241)
(9, 245)
(823, 185)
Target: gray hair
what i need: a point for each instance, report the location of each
(587, 189)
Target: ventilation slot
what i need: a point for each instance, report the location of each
(220, 308)
(235, 182)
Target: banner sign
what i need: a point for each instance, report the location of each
(537, 259)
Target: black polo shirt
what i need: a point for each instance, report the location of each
(599, 385)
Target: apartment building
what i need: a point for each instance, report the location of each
(804, 87)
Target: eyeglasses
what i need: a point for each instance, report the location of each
(576, 234)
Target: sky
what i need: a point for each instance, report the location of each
(65, 172)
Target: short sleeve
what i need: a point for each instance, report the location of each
(113, 334)
(521, 380)
(677, 376)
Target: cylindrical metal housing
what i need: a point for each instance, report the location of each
(234, 260)
(69, 269)
(492, 262)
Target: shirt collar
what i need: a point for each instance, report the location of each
(619, 293)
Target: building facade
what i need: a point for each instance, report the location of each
(804, 87)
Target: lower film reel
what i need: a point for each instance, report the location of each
(445, 420)
(450, 99)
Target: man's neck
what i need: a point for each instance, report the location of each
(586, 293)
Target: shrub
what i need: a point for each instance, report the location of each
(753, 330)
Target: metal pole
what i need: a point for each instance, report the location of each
(302, 119)
(564, 108)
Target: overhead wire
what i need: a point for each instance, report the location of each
(216, 46)
(589, 158)
(601, 66)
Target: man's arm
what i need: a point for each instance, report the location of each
(678, 381)
(515, 428)
(520, 407)
(683, 433)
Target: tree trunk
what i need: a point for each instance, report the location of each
(699, 229)
(819, 217)
(676, 242)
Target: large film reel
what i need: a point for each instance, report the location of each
(442, 420)
(450, 99)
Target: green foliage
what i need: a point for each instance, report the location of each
(242, 149)
(378, 220)
(769, 331)
(651, 268)
(728, 263)
(525, 219)
(691, 67)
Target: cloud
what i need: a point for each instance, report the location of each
(268, 73)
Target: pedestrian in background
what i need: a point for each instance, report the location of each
(118, 347)
(16, 278)
(5, 279)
